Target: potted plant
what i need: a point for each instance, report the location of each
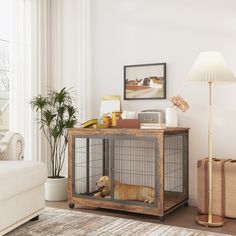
(171, 112)
(56, 113)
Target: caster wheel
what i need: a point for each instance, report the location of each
(71, 205)
(162, 218)
(186, 204)
(35, 218)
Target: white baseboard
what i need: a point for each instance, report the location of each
(192, 201)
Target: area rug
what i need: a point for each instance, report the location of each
(65, 222)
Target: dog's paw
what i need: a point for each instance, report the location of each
(151, 201)
(97, 194)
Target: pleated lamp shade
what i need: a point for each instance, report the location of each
(211, 67)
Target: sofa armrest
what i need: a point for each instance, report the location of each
(14, 147)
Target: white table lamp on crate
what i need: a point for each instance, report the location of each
(211, 68)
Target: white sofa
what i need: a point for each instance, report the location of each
(21, 186)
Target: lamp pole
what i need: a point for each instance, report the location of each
(210, 152)
(210, 219)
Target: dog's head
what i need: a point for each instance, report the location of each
(104, 181)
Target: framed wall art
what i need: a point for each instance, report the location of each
(147, 81)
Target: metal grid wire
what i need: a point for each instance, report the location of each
(173, 163)
(88, 162)
(134, 162)
(130, 161)
(135, 169)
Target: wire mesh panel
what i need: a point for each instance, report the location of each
(135, 170)
(175, 165)
(124, 169)
(89, 154)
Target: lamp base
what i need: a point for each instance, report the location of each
(216, 220)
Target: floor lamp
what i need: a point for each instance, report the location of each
(211, 68)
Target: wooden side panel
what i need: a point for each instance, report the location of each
(160, 176)
(70, 165)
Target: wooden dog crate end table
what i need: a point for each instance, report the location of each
(155, 159)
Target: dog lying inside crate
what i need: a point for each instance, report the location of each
(122, 191)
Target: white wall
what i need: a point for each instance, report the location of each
(149, 31)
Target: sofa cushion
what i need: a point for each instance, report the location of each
(19, 176)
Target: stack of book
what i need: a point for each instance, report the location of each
(152, 126)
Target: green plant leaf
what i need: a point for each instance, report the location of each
(39, 102)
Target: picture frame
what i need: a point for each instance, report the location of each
(145, 81)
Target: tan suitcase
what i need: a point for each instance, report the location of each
(223, 187)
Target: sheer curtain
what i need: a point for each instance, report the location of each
(70, 52)
(51, 49)
(29, 70)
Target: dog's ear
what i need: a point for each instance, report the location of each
(101, 179)
(107, 180)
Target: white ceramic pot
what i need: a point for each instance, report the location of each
(56, 189)
(171, 117)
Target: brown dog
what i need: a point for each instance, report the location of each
(126, 191)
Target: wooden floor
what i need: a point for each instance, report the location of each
(183, 217)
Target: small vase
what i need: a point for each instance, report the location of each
(171, 117)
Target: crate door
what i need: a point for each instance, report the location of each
(90, 165)
(134, 172)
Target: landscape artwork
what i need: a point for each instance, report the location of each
(145, 81)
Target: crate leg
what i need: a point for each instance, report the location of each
(186, 204)
(162, 218)
(87, 166)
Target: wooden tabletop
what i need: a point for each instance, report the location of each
(125, 131)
